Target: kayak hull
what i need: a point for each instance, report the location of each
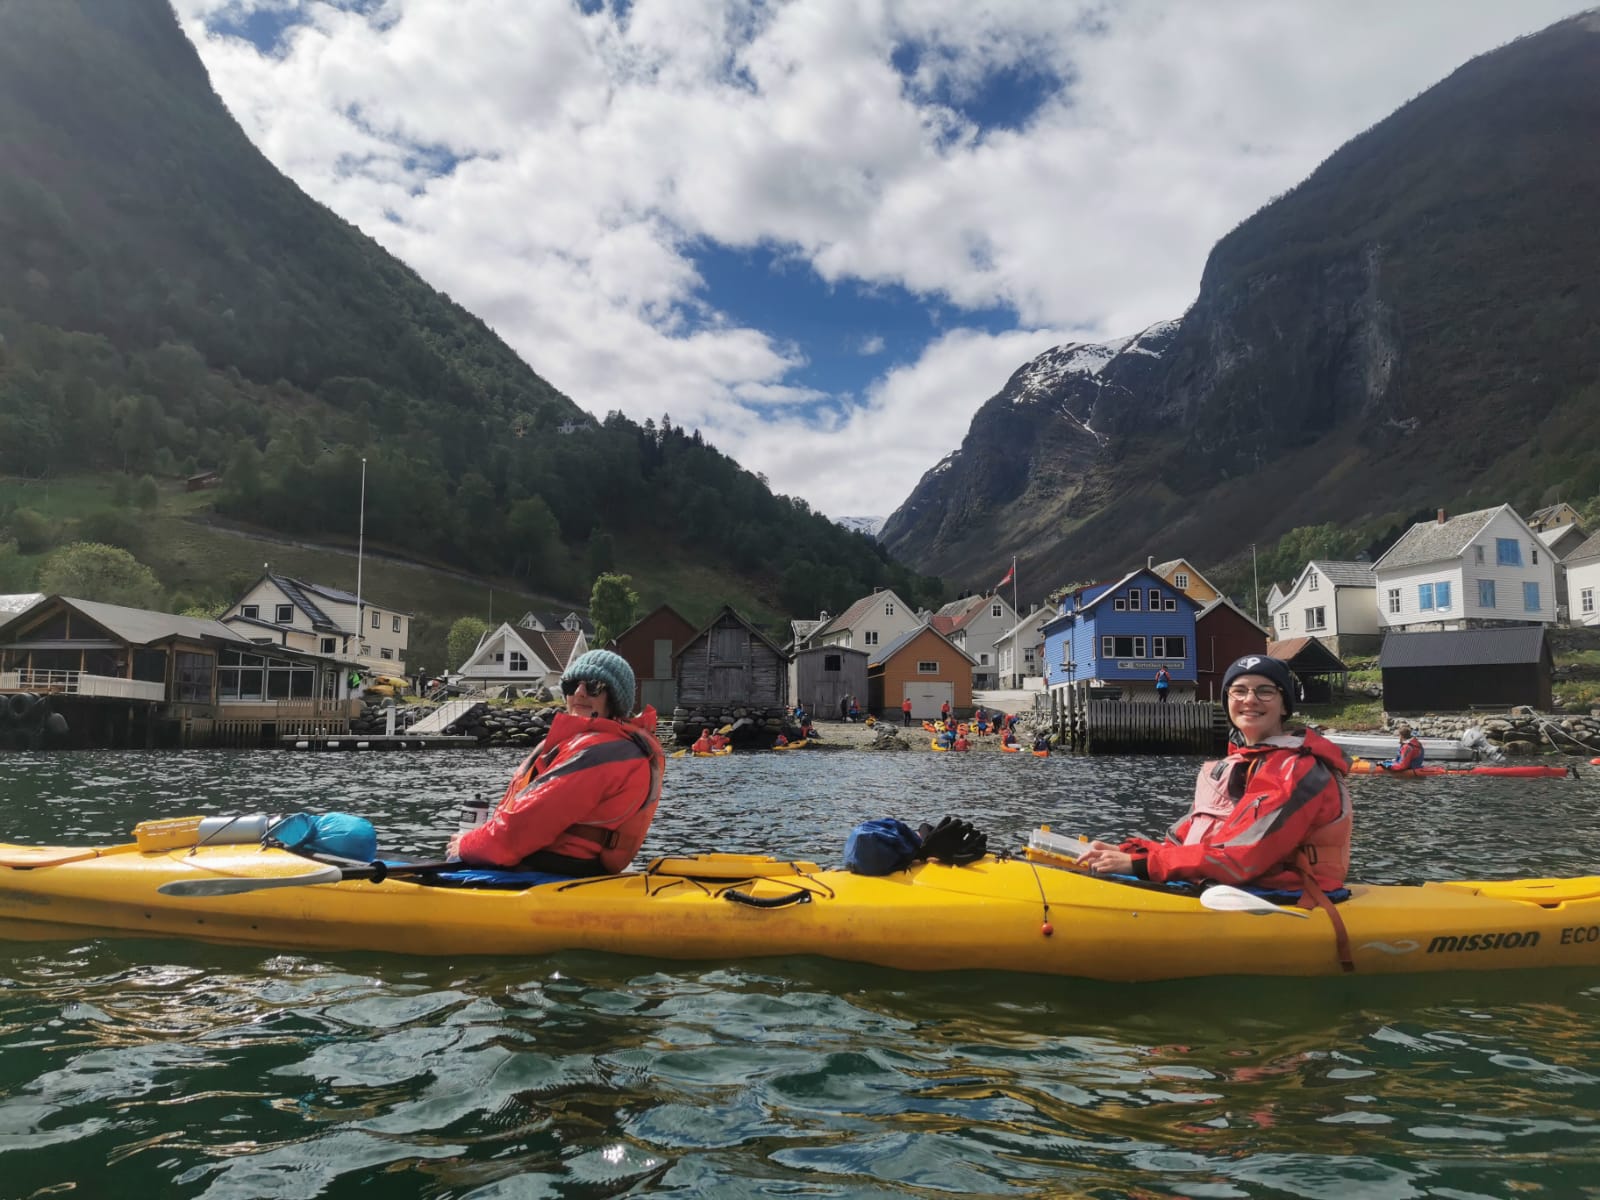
(1530, 771)
(1012, 915)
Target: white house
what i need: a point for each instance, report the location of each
(283, 611)
(1583, 583)
(1334, 602)
(521, 657)
(974, 624)
(869, 624)
(1478, 569)
(1017, 651)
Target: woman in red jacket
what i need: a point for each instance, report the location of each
(1274, 813)
(581, 803)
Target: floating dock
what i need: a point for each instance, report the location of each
(378, 741)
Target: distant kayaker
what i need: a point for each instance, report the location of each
(1409, 755)
(961, 742)
(719, 740)
(582, 802)
(1042, 742)
(905, 711)
(702, 744)
(944, 713)
(1274, 813)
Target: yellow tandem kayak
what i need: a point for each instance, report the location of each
(996, 914)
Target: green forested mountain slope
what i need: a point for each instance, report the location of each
(1416, 325)
(170, 302)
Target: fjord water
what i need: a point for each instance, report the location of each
(170, 1069)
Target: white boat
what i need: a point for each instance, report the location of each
(1380, 747)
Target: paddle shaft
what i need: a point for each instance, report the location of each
(233, 885)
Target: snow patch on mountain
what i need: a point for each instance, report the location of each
(866, 525)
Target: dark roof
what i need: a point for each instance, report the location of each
(142, 626)
(894, 647)
(1305, 656)
(854, 613)
(1464, 647)
(729, 610)
(1224, 602)
(1112, 588)
(1345, 574)
(299, 593)
(831, 648)
(1588, 549)
(1434, 541)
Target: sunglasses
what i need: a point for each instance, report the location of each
(592, 687)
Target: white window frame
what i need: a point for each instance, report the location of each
(1133, 599)
(1153, 600)
(253, 611)
(1283, 620)
(1394, 601)
(518, 661)
(385, 652)
(1317, 617)
(1181, 581)
(1119, 604)
(1170, 604)
(396, 625)
(995, 610)
(1108, 646)
(377, 619)
(1586, 600)
(283, 614)
(1477, 554)
(928, 666)
(888, 608)
(1311, 582)
(869, 637)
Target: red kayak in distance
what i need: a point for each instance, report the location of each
(1361, 766)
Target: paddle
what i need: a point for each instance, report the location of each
(1219, 897)
(233, 885)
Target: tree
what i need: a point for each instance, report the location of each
(464, 637)
(32, 530)
(602, 552)
(613, 606)
(146, 494)
(534, 532)
(94, 571)
(15, 575)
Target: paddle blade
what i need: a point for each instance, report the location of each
(1222, 898)
(217, 886)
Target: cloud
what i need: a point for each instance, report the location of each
(554, 170)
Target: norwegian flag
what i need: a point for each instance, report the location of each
(1010, 575)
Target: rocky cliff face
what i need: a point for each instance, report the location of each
(1404, 329)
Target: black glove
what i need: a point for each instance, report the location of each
(952, 840)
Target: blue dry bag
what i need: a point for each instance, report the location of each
(339, 834)
(880, 847)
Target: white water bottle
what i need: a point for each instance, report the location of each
(474, 812)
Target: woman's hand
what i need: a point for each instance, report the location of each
(452, 848)
(1102, 856)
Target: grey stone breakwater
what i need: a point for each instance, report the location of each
(1520, 731)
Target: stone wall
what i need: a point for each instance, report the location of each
(1520, 731)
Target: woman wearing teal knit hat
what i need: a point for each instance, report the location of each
(582, 802)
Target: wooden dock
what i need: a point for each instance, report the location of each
(1120, 727)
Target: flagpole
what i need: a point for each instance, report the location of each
(361, 541)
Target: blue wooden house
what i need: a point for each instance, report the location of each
(1116, 635)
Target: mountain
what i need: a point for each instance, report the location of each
(866, 525)
(170, 302)
(1413, 326)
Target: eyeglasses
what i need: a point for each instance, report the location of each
(592, 687)
(1265, 692)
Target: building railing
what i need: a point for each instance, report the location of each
(81, 683)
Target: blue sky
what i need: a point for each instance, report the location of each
(823, 232)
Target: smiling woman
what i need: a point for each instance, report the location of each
(1274, 813)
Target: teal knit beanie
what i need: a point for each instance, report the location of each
(612, 670)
